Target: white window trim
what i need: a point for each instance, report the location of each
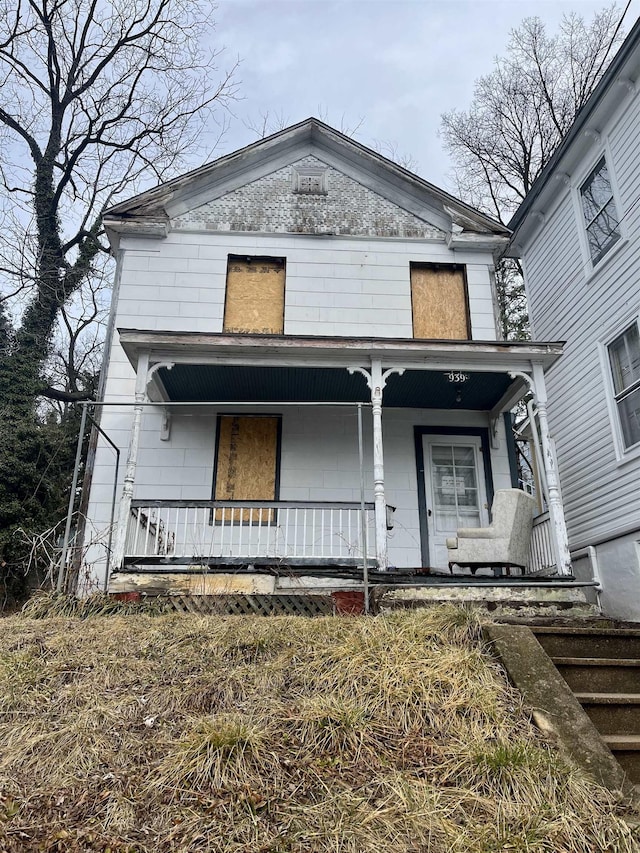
(590, 269)
(623, 454)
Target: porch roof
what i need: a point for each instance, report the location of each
(210, 347)
(228, 368)
(415, 389)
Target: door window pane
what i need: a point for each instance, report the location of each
(455, 487)
(464, 456)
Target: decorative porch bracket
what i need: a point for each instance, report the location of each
(144, 375)
(556, 511)
(376, 381)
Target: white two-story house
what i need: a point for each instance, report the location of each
(304, 372)
(577, 233)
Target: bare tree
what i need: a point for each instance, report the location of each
(521, 111)
(267, 123)
(97, 98)
(518, 116)
(389, 148)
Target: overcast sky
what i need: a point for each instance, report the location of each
(395, 65)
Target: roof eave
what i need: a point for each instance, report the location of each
(456, 354)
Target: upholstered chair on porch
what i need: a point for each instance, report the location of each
(505, 543)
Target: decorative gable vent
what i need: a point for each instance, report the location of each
(309, 180)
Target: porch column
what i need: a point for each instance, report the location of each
(376, 385)
(554, 500)
(376, 380)
(132, 461)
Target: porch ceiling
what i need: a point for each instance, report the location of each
(414, 389)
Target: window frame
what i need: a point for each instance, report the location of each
(593, 265)
(216, 459)
(416, 266)
(623, 452)
(281, 261)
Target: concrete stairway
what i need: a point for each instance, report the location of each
(602, 668)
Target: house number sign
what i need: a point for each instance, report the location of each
(457, 376)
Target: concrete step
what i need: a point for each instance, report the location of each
(626, 749)
(600, 675)
(612, 713)
(512, 602)
(589, 642)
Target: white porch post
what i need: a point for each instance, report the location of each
(380, 507)
(376, 380)
(554, 500)
(132, 461)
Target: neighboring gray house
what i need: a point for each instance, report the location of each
(577, 234)
(262, 301)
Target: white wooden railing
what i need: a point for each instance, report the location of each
(542, 553)
(194, 532)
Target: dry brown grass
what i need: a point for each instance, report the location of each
(281, 735)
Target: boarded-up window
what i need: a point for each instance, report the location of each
(247, 462)
(254, 299)
(439, 302)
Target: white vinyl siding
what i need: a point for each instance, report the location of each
(334, 286)
(310, 470)
(599, 488)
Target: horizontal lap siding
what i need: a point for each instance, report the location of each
(333, 287)
(600, 494)
(310, 470)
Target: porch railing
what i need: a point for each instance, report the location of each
(542, 554)
(195, 532)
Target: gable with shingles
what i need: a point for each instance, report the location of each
(269, 204)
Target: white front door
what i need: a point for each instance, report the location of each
(454, 488)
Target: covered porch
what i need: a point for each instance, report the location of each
(356, 415)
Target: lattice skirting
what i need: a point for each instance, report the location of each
(250, 605)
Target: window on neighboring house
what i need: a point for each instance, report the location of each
(439, 302)
(254, 299)
(600, 214)
(624, 358)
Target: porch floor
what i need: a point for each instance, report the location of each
(418, 576)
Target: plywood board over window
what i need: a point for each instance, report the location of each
(247, 462)
(439, 302)
(254, 301)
